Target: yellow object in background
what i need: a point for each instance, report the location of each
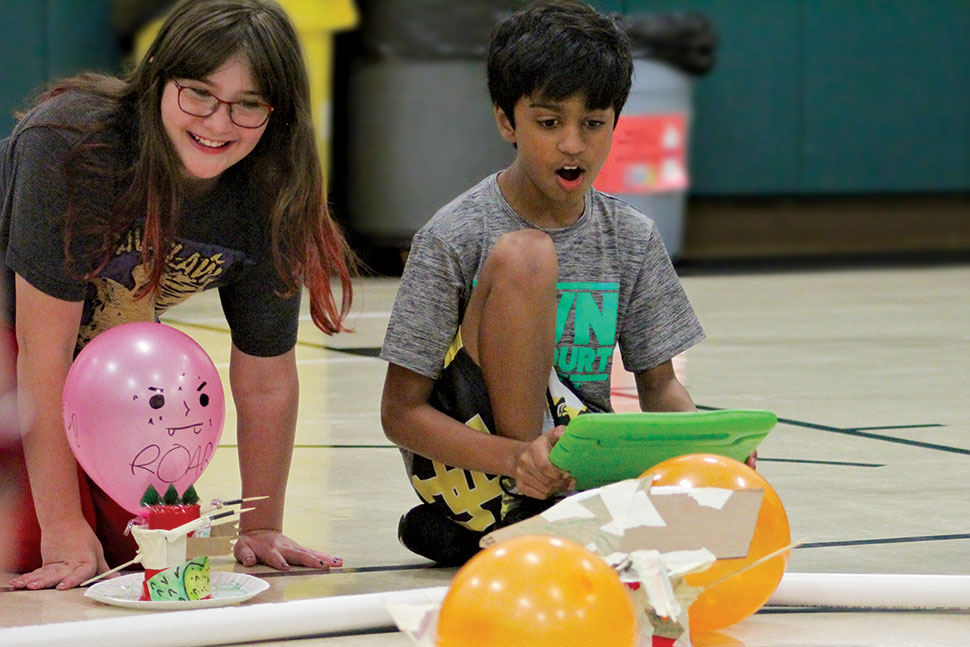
(315, 22)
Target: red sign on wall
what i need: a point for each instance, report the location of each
(649, 155)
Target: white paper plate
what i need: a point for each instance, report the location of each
(227, 589)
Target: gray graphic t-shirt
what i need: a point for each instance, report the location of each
(221, 242)
(616, 286)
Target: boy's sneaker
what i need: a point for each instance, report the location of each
(518, 507)
(426, 530)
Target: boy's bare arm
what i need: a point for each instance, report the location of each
(411, 422)
(659, 390)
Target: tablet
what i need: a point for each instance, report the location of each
(602, 448)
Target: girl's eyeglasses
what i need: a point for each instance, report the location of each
(202, 103)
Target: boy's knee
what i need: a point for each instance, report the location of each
(527, 254)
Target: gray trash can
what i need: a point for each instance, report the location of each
(647, 166)
(421, 126)
(422, 133)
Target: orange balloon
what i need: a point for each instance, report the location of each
(714, 639)
(735, 599)
(536, 591)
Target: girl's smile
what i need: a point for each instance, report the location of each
(208, 144)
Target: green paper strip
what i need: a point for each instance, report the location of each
(187, 581)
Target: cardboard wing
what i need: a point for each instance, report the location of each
(627, 516)
(219, 542)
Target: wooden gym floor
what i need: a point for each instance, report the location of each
(867, 368)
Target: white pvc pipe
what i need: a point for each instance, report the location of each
(368, 612)
(876, 592)
(201, 627)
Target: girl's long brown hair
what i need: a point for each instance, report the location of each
(144, 173)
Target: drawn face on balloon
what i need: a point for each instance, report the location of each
(190, 420)
(143, 405)
(178, 413)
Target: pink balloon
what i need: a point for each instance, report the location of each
(143, 405)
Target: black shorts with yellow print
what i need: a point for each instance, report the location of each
(480, 502)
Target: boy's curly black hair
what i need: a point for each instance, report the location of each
(556, 49)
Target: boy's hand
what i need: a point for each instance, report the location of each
(535, 476)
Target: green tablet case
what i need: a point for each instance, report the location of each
(602, 448)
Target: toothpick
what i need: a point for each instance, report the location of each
(218, 518)
(217, 504)
(753, 564)
(113, 570)
(228, 516)
(232, 519)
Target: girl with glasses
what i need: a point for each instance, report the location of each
(122, 198)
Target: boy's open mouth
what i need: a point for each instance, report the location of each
(569, 173)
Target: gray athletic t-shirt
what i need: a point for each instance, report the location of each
(616, 285)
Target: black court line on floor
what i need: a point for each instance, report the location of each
(763, 459)
(363, 351)
(801, 263)
(859, 433)
(886, 540)
(775, 610)
(794, 423)
(200, 326)
(863, 432)
(351, 570)
(383, 629)
(331, 446)
(430, 566)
